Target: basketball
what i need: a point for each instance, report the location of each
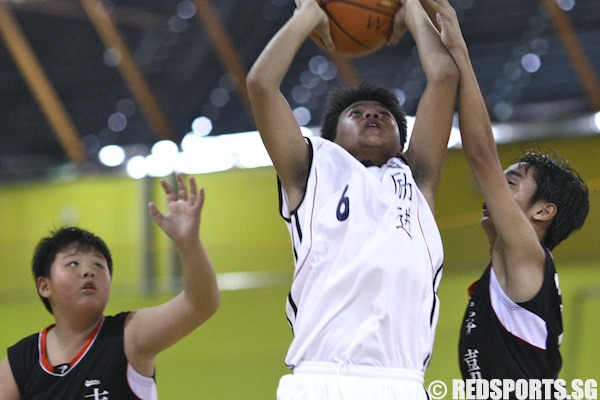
(358, 27)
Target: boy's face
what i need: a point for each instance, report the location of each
(79, 279)
(368, 131)
(522, 186)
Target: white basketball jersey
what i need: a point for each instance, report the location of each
(368, 261)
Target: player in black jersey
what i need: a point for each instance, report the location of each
(85, 354)
(512, 326)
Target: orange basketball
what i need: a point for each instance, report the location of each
(359, 27)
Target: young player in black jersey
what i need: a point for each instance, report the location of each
(86, 354)
(512, 326)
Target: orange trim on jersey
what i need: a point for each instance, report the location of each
(472, 288)
(45, 363)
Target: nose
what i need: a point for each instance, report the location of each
(88, 272)
(372, 114)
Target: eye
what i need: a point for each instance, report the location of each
(98, 265)
(72, 263)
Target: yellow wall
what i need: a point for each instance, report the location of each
(241, 226)
(28, 212)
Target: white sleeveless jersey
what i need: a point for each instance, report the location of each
(368, 261)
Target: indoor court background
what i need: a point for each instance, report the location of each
(239, 353)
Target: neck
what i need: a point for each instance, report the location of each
(72, 326)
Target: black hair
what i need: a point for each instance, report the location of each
(341, 98)
(48, 247)
(558, 183)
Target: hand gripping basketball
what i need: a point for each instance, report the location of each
(359, 27)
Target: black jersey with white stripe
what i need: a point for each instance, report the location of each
(502, 339)
(99, 371)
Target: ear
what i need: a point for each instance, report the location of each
(545, 212)
(43, 286)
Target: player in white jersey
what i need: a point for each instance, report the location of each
(368, 254)
(343, 279)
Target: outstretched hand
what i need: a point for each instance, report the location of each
(182, 222)
(450, 32)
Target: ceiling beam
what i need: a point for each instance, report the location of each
(40, 86)
(128, 69)
(224, 46)
(579, 60)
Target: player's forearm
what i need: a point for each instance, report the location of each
(434, 116)
(270, 68)
(200, 287)
(474, 122)
(433, 55)
(437, 104)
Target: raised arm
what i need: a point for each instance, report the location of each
(520, 262)
(429, 140)
(272, 113)
(151, 330)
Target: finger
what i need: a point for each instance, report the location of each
(193, 190)
(182, 187)
(329, 44)
(155, 213)
(323, 30)
(168, 189)
(325, 35)
(396, 35)
(398, 29)
(433, 4)
(201, 198)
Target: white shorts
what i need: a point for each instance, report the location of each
(331, 381)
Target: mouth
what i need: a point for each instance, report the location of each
(88, 286)
(484, 210)
(373, 123)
